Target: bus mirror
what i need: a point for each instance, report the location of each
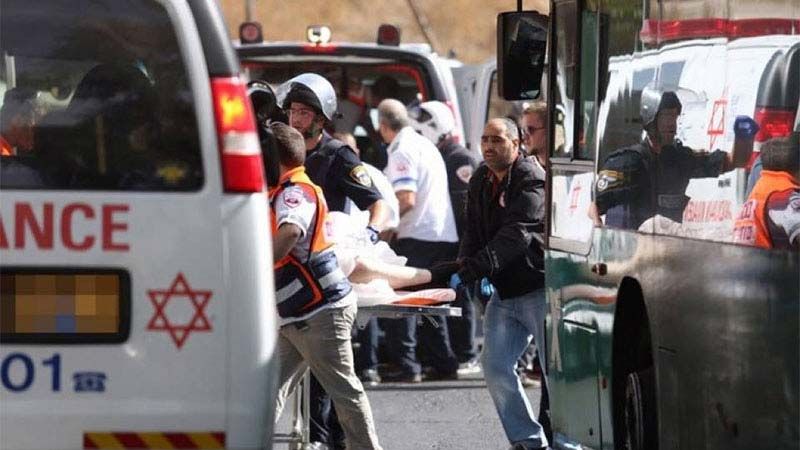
(521, 51)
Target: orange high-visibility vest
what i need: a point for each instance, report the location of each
(5, 148)
(303, 286)
(751, 224)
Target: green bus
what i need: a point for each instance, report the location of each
(666, 334)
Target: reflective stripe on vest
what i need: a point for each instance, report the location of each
(303, 286)
(751, 226)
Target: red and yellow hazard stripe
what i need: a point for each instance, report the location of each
(154, 440)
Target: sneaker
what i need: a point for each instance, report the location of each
(369, 377)
(470, 367)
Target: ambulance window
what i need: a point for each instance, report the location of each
(97, 99)
(40, 306)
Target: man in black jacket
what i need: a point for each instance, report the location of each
(503, 242)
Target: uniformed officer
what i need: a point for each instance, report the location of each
(310, 102)
(651, 177)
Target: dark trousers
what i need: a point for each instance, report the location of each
(324, 424)
(367, 355)
(401, 334)
(462, 329)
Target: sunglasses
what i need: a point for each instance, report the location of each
(531, 130)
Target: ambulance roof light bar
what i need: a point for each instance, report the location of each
(654, 32)
(318, 34)
(250, 33)
(388, 35)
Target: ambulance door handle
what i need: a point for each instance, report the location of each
(600, 268)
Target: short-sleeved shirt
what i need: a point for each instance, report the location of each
(335, 167)
(416, 165)
(297, 205)
(636, 183)
(385, 188)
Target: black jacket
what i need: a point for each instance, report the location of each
(504, 232)
(636, 183)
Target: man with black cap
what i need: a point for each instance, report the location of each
(650, 178)
(310, 102)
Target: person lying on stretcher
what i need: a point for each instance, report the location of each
(376, 271)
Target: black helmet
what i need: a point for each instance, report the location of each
(265, 104)
(654, 100)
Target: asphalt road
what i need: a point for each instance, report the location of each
(440, 415)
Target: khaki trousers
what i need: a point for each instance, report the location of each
(325, 347)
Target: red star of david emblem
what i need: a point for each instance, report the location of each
(179, 289)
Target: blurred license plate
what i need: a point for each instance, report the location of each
(64, 305)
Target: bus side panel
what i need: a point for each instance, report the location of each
(734, 339)
(579, 329)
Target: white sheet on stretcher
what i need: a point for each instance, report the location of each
(350, 235)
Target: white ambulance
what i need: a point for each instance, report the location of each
(137, 306)
(362, 74)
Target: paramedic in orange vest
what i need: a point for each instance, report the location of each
(770, 218)
(316, 304)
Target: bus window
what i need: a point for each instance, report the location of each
(564, 15)
(588, 82)
(727, 73)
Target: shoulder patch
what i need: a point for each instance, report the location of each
(293, 196)
(464, 173)
(794, 202)
(359, 175)
(608, 179)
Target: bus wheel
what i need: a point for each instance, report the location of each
(640, 410)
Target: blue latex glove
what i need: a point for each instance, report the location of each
(455, 282)
(745, 127)
(487, 289)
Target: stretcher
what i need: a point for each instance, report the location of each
(422, 304)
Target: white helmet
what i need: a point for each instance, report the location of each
(434, 120)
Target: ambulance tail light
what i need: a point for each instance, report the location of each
(240, 150)
(773, 123)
